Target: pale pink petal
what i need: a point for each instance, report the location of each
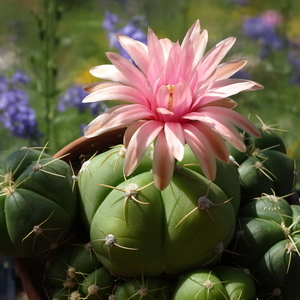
(155, 52)
(213, 57)
(170, 72)
(233, 117)
(117, 116)
(163, 163)
(224, 102)
(175, 139)
(201, 149)
(109, 72)
(182, 100)
(116, 92)
(200, 47)
(132, 128)
(166, 45)
(229, 87)
(163, 97)
(139, 143)
(227, 69)
(94, 128)
(222, 126)
(133, 75)
(96, 86)
(185, 63)
(137, 51)
(216, 142)
(192, 34)
(223, 89)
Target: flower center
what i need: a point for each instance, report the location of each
(170, 88)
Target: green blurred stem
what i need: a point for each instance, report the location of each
(48, 39)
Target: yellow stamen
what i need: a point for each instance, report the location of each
(170, 87)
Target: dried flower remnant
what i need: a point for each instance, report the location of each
(176, 95)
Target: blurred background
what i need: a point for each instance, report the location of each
(47, 48)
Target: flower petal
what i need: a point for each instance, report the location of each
(213, 57)
(222, 126)
(223, 89)
(96, 86)
(232, 116)
(134, 76)
(201, 149)
(139, 143)
(116, 117)
(175, 139)
(132, 128)
(137, 51)
(109, 72)
(163, 163)
(227, 69)
(116, 91)
(217, 144)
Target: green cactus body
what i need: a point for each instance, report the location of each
(219, 283)
(73, 269)
(98, 284)
(38, 193)
(138, 230)
(107, 168)
(268, 241)
(227, 177)
(128, 235)
(265, 167)
(148, 288)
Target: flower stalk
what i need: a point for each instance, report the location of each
(48, 22)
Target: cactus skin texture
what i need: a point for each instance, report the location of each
(148, 288)
(265, 166)
(37, 191)
(138, 230)
(268, 241)
(77, 271)
(219, 283)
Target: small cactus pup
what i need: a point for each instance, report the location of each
(265, 166)
(138, 229)
(146, 288)
(38, 203)
(77, 269)
(218, 283)
(267, 243)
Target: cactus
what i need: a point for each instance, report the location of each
(77, 270)
(219, 283)
(265, 166)
(137, 229)
(158, 288)
(267, 243)
(37, 191)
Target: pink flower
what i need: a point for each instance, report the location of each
(177, 95)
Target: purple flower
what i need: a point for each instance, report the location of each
(263, 28)
(15, 112)
(131, 29)
(73, 97)
(19, 77)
